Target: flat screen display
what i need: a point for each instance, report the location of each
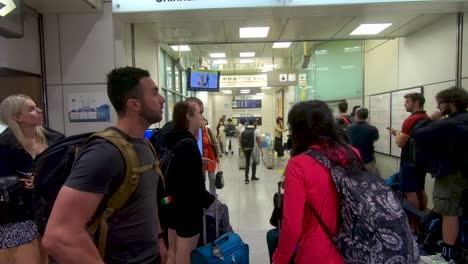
(246, 104)
(203, 80)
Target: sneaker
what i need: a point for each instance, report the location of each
(232, 152)
(246, 181)
(227, 153)
(255, 179)
(435, 259)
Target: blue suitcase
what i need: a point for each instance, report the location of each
(228, 248)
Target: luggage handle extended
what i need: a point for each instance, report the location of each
(205, 237)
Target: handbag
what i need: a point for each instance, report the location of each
(219, 179)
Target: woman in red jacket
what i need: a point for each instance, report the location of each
(308, 183)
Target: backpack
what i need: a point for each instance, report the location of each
(158, 141)
(248, 138)
(53, 166)
(343, 122)
(374, 227)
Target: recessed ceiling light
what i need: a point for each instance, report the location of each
(226, 91)
(218, 55)
(245, 91)
(265, 88)
(220, 62)
(180, 47)
(260, 94)
(247, 54)
(281, 45)
(254, 32)
(246, 61)
(370, 29)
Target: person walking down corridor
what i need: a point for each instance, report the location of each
(230, 132)
(251, 145)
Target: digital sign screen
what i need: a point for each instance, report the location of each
(246, 104)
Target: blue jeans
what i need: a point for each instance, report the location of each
(211, 178)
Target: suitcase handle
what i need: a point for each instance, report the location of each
(205, 236)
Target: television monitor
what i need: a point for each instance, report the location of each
(148, 133)
(203, 80)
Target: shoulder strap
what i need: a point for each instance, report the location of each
(345, 119)
(128, 186)
(322, 159)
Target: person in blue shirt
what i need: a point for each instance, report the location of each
(362, 136)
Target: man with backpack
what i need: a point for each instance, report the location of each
(412, 176)
(250, 143)
(344, 120)
(447, 140)
(101, 175)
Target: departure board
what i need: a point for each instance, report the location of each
(246, 104)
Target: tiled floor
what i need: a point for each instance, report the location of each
(250, 206)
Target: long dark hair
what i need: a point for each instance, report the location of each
(312, 123)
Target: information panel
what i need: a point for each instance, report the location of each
(379, 116)
(246, 104)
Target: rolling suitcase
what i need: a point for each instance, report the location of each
(272, 236)
(228, 248)
(241, 159)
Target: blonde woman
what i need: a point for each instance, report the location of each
(22, 140)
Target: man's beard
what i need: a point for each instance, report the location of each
(149, 116)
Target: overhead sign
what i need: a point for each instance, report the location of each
(282, 78)
(6, 6)
(129, 6)
(124, 6)
(240, 81)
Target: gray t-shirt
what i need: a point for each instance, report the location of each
(133, 230)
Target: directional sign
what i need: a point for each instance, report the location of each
(6, 6)
(283, 77)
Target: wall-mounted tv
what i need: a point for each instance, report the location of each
(203, 80)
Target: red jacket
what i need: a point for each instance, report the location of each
(307, 180)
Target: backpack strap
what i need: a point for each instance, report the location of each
(128, 186)
(345, 119)
(322, 159)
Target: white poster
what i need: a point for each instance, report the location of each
(88, 107)
(379, 116)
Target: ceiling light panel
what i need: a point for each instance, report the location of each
(218, 55)
(254, 32)
(227, 91)
(246, 61)
(219, 62)
(181, 47)
(370, 29)
(247, 54)
(281, 45)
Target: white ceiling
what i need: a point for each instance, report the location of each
(217, 30)
(65, 6)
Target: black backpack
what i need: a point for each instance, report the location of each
(374, 227)
(248, 138)
(52, 168)
(343, 122)
(158, 141)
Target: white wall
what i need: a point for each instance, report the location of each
(79, 51)
(24, 53)
(222, 105)
(426, 58)
(146, 52)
